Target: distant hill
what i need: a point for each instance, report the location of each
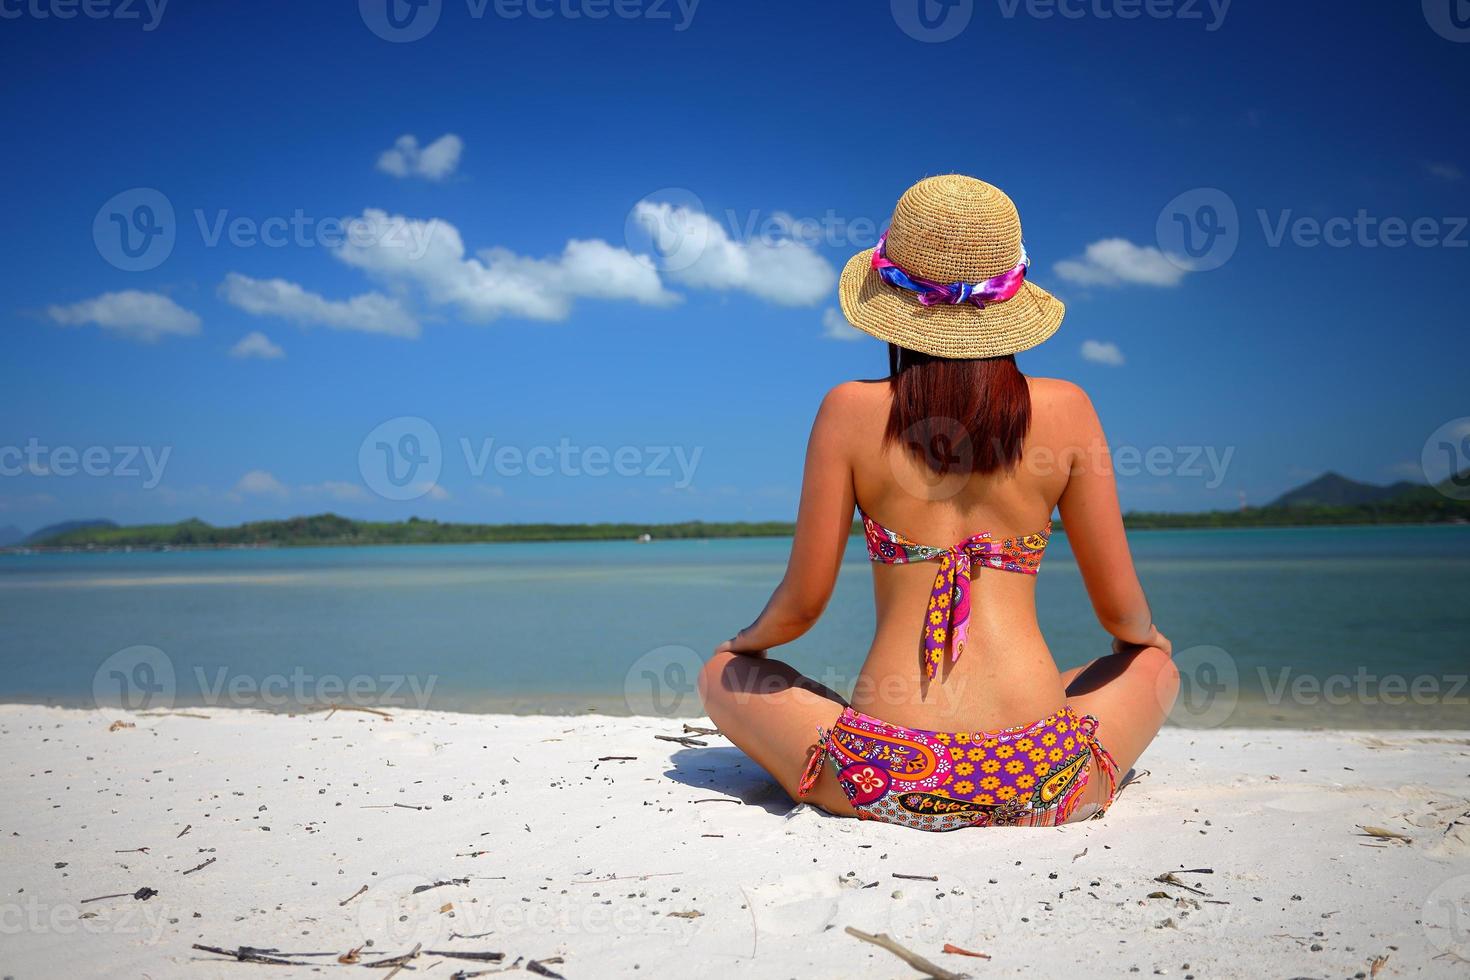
(1330, 499)
(1335, 490)
(332, 529)
(10, 534)
(66, 527)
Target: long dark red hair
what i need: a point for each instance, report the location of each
(958, 415)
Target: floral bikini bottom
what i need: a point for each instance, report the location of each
(1030, 776)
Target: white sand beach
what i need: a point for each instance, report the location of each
(312, 837)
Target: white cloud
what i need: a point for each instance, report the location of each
(699, 253)
(498, 282)
(836, 327)
(256, 344)
(1117, 261)
(369, 313)
(436, 492)
(259, 483)
(1444, 171)
(146, 317)
(433, 162)
(1102, 352)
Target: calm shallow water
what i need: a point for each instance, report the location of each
(1330, 626)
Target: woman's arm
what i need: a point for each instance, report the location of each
(1094, 525)
(823, 525)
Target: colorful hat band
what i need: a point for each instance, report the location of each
(996, 289)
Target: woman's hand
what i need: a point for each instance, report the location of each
(732, 645)
(1155, 639)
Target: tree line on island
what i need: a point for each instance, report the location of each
(1329, 499)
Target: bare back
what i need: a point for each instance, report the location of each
(1008, 676)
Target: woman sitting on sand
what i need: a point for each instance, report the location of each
(958, 449)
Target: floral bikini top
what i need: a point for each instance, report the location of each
(948, 619)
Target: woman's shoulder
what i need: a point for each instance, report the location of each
(858, 396)
(1061, 411)
(1060, 391)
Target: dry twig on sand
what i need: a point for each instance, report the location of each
(957, 951)
(913, 959)
(684, 740)
(142, 895)
(462, 955)
(332, 709)
(1170, 878)
(244, 955)
(1382, 834)
(352, 896)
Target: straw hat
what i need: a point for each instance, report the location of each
(950, 229)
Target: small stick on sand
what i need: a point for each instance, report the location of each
(352, 896)
(440, 884)
(245, 956)
(594, 881)
(718, 799)
(332, 709)
(480, 957)
(913, 959)
(142, 895)
(957, 951)
(1383, 834)
(201, 866)
(187, 828)
(1169, 878)
(916, 877)
(133, 850)
(696, 730)
(617, 758)
(539, 967)
(684, 740)
(398, 962)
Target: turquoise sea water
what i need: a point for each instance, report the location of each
(1332, 626)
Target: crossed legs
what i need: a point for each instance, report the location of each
(773, 713)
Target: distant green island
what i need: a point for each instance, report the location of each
(1329, 499)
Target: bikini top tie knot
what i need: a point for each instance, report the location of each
(947, 620)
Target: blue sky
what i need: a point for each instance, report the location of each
(532, 316)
